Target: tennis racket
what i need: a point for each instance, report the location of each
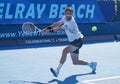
(29, 27)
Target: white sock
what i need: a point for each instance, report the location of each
(59, 67)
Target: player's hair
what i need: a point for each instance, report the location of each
(69, 9)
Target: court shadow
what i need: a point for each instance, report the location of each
(71, 79)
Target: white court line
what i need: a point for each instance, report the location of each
(100, 79)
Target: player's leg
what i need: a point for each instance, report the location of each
(76, 61)
(65, 51)
(74, 55)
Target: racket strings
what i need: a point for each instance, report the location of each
(29, 27)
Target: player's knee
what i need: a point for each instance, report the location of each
(65, 51)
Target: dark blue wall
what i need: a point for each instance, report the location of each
(13, 35)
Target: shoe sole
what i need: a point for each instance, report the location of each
(53, 72)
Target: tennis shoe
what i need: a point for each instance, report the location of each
(93, 66)
(54, 72)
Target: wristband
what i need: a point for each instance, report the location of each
(49, 27)
(51, 30)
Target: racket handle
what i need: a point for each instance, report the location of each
(39, 30)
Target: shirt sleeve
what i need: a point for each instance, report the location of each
(62, 22)
(76, 30)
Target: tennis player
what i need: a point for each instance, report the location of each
(68, 24)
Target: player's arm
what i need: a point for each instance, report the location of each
(55, 29)
(54, 26)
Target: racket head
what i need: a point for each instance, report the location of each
(28, 28)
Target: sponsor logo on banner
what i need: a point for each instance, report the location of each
(44, 12)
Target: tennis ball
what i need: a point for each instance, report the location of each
(94, 28)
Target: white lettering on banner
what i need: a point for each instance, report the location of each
(40, 9)
(62, 39)
(49, 40)
(62, 8)
(8, 35)
(37, 41)
(79, 13)
(90, 11)
(30, 12)
(19, 11)
(7, 15)
(36, 11)
(21, 34)
(1, 9)
(53, 11)
(83, 11)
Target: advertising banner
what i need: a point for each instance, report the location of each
(48, 11)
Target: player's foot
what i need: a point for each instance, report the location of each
(93, 66)
(55, 73)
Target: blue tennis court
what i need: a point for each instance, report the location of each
(33, 34)
(32, 65)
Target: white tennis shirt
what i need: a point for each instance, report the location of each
(71, 29)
